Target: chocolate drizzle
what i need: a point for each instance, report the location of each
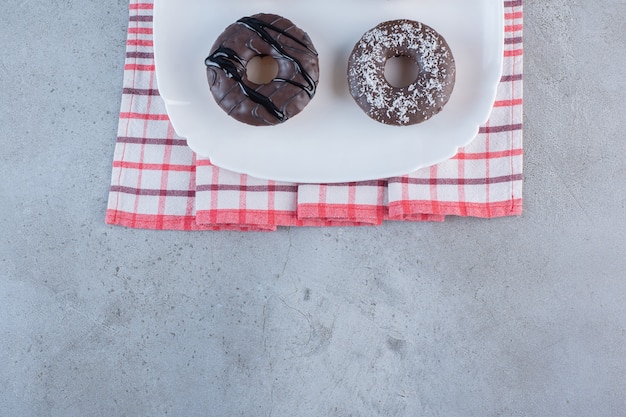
(228, 61)
(259, 27)
(298, 68)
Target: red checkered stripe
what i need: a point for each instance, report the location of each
(154, 172)
(353, 202)
(228, 198)
(153, 175)
(485, 178)
(231, 199)
(478, 171)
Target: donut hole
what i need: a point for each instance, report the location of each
(401, 71)
(262, 69)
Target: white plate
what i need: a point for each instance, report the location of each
(331, 140)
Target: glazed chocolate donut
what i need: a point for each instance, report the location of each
(284, 96)
(418, 101)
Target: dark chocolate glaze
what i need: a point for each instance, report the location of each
(228, 61)
(282, 98)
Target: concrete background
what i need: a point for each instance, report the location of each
(510, 317)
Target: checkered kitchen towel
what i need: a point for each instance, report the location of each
(159, 183)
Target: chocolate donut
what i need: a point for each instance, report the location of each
(418, 101)
(284, 96)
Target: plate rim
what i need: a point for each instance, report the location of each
(489, 91)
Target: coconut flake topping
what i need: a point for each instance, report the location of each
(426, 95)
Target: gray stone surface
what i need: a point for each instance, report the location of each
(509, 317)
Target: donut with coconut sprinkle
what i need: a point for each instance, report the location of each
(421, 99)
